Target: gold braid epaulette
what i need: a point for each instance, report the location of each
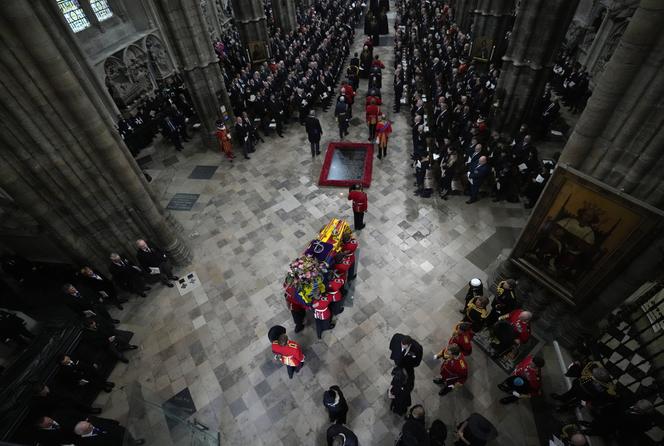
(483, 311)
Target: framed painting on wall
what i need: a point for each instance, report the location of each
(580, 233)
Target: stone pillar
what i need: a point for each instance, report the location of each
(185, 28)
(61, 159)
(492, 20)
(251, 23)
(284, 13)
(462, 13)
(538, 31)
(619, 138)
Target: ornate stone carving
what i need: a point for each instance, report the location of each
(136, 61)
(158, 58)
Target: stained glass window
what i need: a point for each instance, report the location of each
(74, 15)
(101, 9)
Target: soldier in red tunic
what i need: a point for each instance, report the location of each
(322, 315)
(298, 311)
(288, 353)
(360, 205)
(453, 370)
(463, 337)
(526, 380)
(335, 295)
(349, 243)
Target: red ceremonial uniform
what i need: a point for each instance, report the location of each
(372, 113)
(521, 328)
(377, 63)
(321, 309)
(350, 246)
(454, 370)
(374, 98)
(463, 339)
(359, 200)
(289, 354)
(345, 264)
(334, 287)
(530, 374)
(348, 92)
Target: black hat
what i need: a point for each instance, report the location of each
(329, 396)
(481, 428)
(274, 332)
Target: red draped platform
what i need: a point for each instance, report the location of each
(346, 164)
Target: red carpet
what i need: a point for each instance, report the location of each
(347, 163)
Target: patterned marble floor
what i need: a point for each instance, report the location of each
(210, 348)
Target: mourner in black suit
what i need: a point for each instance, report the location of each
(55, 431)
(103, 287)
(127, 275)
(103, 432)
(407, 354)
(153, 257)
(75, 372)
(99, 337)
(314, 132)
(336, 405)
(340, 435)
(84, 305)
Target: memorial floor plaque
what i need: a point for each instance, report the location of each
(182, 202)
(347, 164)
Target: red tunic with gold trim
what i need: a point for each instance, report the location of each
(463, 339)
(454, 370)
(350, 246)
(359, 200)
(333, 290)
(521, 328)
(530, 374)
(321, 308)
(289, 354)
(345, 264)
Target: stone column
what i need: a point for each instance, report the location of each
(492, 20)
(619, 138)
(538, 31)
(185, 28)
(61, 159)
(252, 25)
(462, 13)
(284, 13)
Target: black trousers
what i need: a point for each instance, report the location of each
(410, 382)
(298, 318)
(359, 220)
(322, 325)
(292, 370)
(315, 148)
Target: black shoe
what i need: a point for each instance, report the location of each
(139, 441)
(317, 153)
(470, 201)
(445, 391)
(94, 410)
(119, 307)
(507, 400)
(247, 158)
(132, 347)
(174, 278)
(169, 284)
(125, 360)
(299, 328)
(281, 135)
(109, 384)
(142, 294)
(462, 311)
(108, 389)
(438, 381)
(115, 321)
(147, 288)
(503, 387)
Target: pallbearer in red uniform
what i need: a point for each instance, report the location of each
(335, 295)
(298, 311)
(360, 205)
(287, 352)
(526, 380)
(349, 243)
(322, 315)
(453, 370)
(511, 329)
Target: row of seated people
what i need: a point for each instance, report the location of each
(61, 404)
